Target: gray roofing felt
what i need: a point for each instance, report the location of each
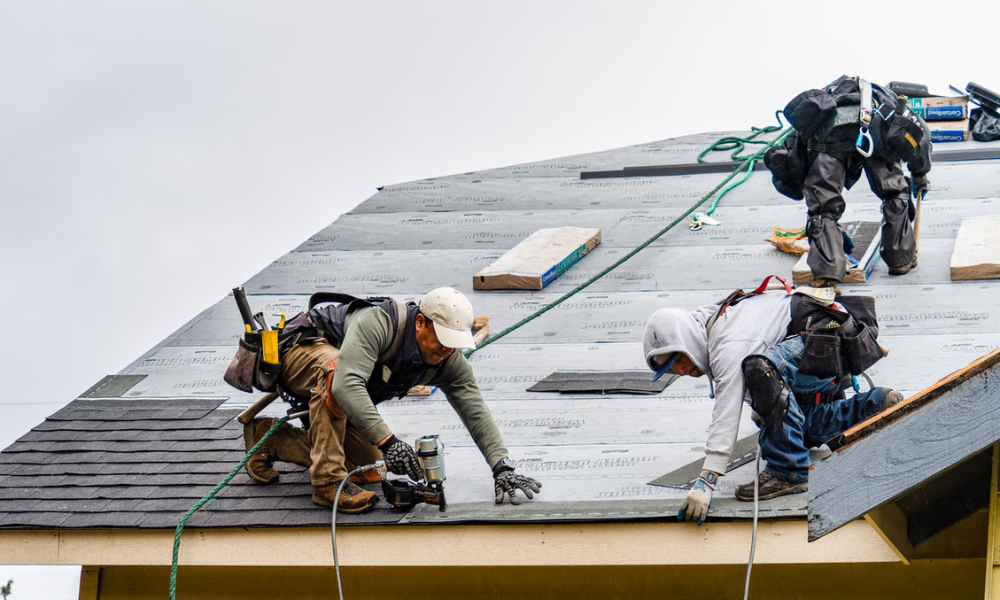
(140, 448)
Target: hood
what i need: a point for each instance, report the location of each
(672, 330)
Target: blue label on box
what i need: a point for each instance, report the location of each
(946, 135)
(947, 111)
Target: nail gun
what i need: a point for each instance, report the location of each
(405, 493)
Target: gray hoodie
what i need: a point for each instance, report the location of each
(750, 327)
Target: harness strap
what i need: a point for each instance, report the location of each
(739, 295)
(401, 314)
(866, 102)
(865, 117)
(763, 285)
(397, 339)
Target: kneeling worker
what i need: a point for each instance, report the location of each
(741, 351)
(357, 361)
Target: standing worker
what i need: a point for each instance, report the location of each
(747, 350)
(848, 126)
(350, 358)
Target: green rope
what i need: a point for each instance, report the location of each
(729, 187)
(746, 163)
(738, 144)
(209, 496)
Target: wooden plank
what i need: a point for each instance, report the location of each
(90, 579)
(895, 460)
(867, 238)
(992, 553)
(877, 422)
(890, 523)
(977, 249)
(538, 260)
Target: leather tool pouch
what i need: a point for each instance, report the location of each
(249, 370)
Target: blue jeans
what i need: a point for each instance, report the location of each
(786, 450)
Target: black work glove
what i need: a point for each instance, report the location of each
(401, 459)
(507, 482)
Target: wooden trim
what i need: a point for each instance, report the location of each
(778, 542)
(992, 554)
(890, 523)
(925, 580)
(90, 582)
(877, 422)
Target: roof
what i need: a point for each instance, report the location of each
(163, 433)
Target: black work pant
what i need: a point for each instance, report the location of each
(824, 185)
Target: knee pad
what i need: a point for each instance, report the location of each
(769, 394)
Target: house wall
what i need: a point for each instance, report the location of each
(927, 580)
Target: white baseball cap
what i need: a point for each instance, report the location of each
(451, 312)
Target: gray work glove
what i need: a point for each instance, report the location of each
(506, 483)
(401, 459)
(920, 186)
(699, 498)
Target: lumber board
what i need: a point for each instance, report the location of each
(890, 523)
(977, 249)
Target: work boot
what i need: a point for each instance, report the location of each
(903, 269)
(825, 282)
(769, 487)
(353, 499)
(260, 467)
(891, 398)
(365, 477)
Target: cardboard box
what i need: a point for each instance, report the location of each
(940, 108)
(538, 260)
(867, 238)
(949, 131)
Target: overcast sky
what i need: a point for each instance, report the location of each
(155, 155)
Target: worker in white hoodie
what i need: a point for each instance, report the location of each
(747, 338)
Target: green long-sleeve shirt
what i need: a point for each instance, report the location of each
(368, 333)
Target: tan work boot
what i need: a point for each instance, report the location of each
(372, 476)
(260, 467)
(353, 500)
(825, 282)
(287, 443)
(769, 487)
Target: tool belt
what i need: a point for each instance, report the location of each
(257, 363)
(844, 345)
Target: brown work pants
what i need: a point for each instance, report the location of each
(307, 370)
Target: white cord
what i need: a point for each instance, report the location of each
(753, 541)
(333, 519)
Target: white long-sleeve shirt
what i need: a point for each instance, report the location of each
(750, 327)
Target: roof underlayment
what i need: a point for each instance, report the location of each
(141, 458)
